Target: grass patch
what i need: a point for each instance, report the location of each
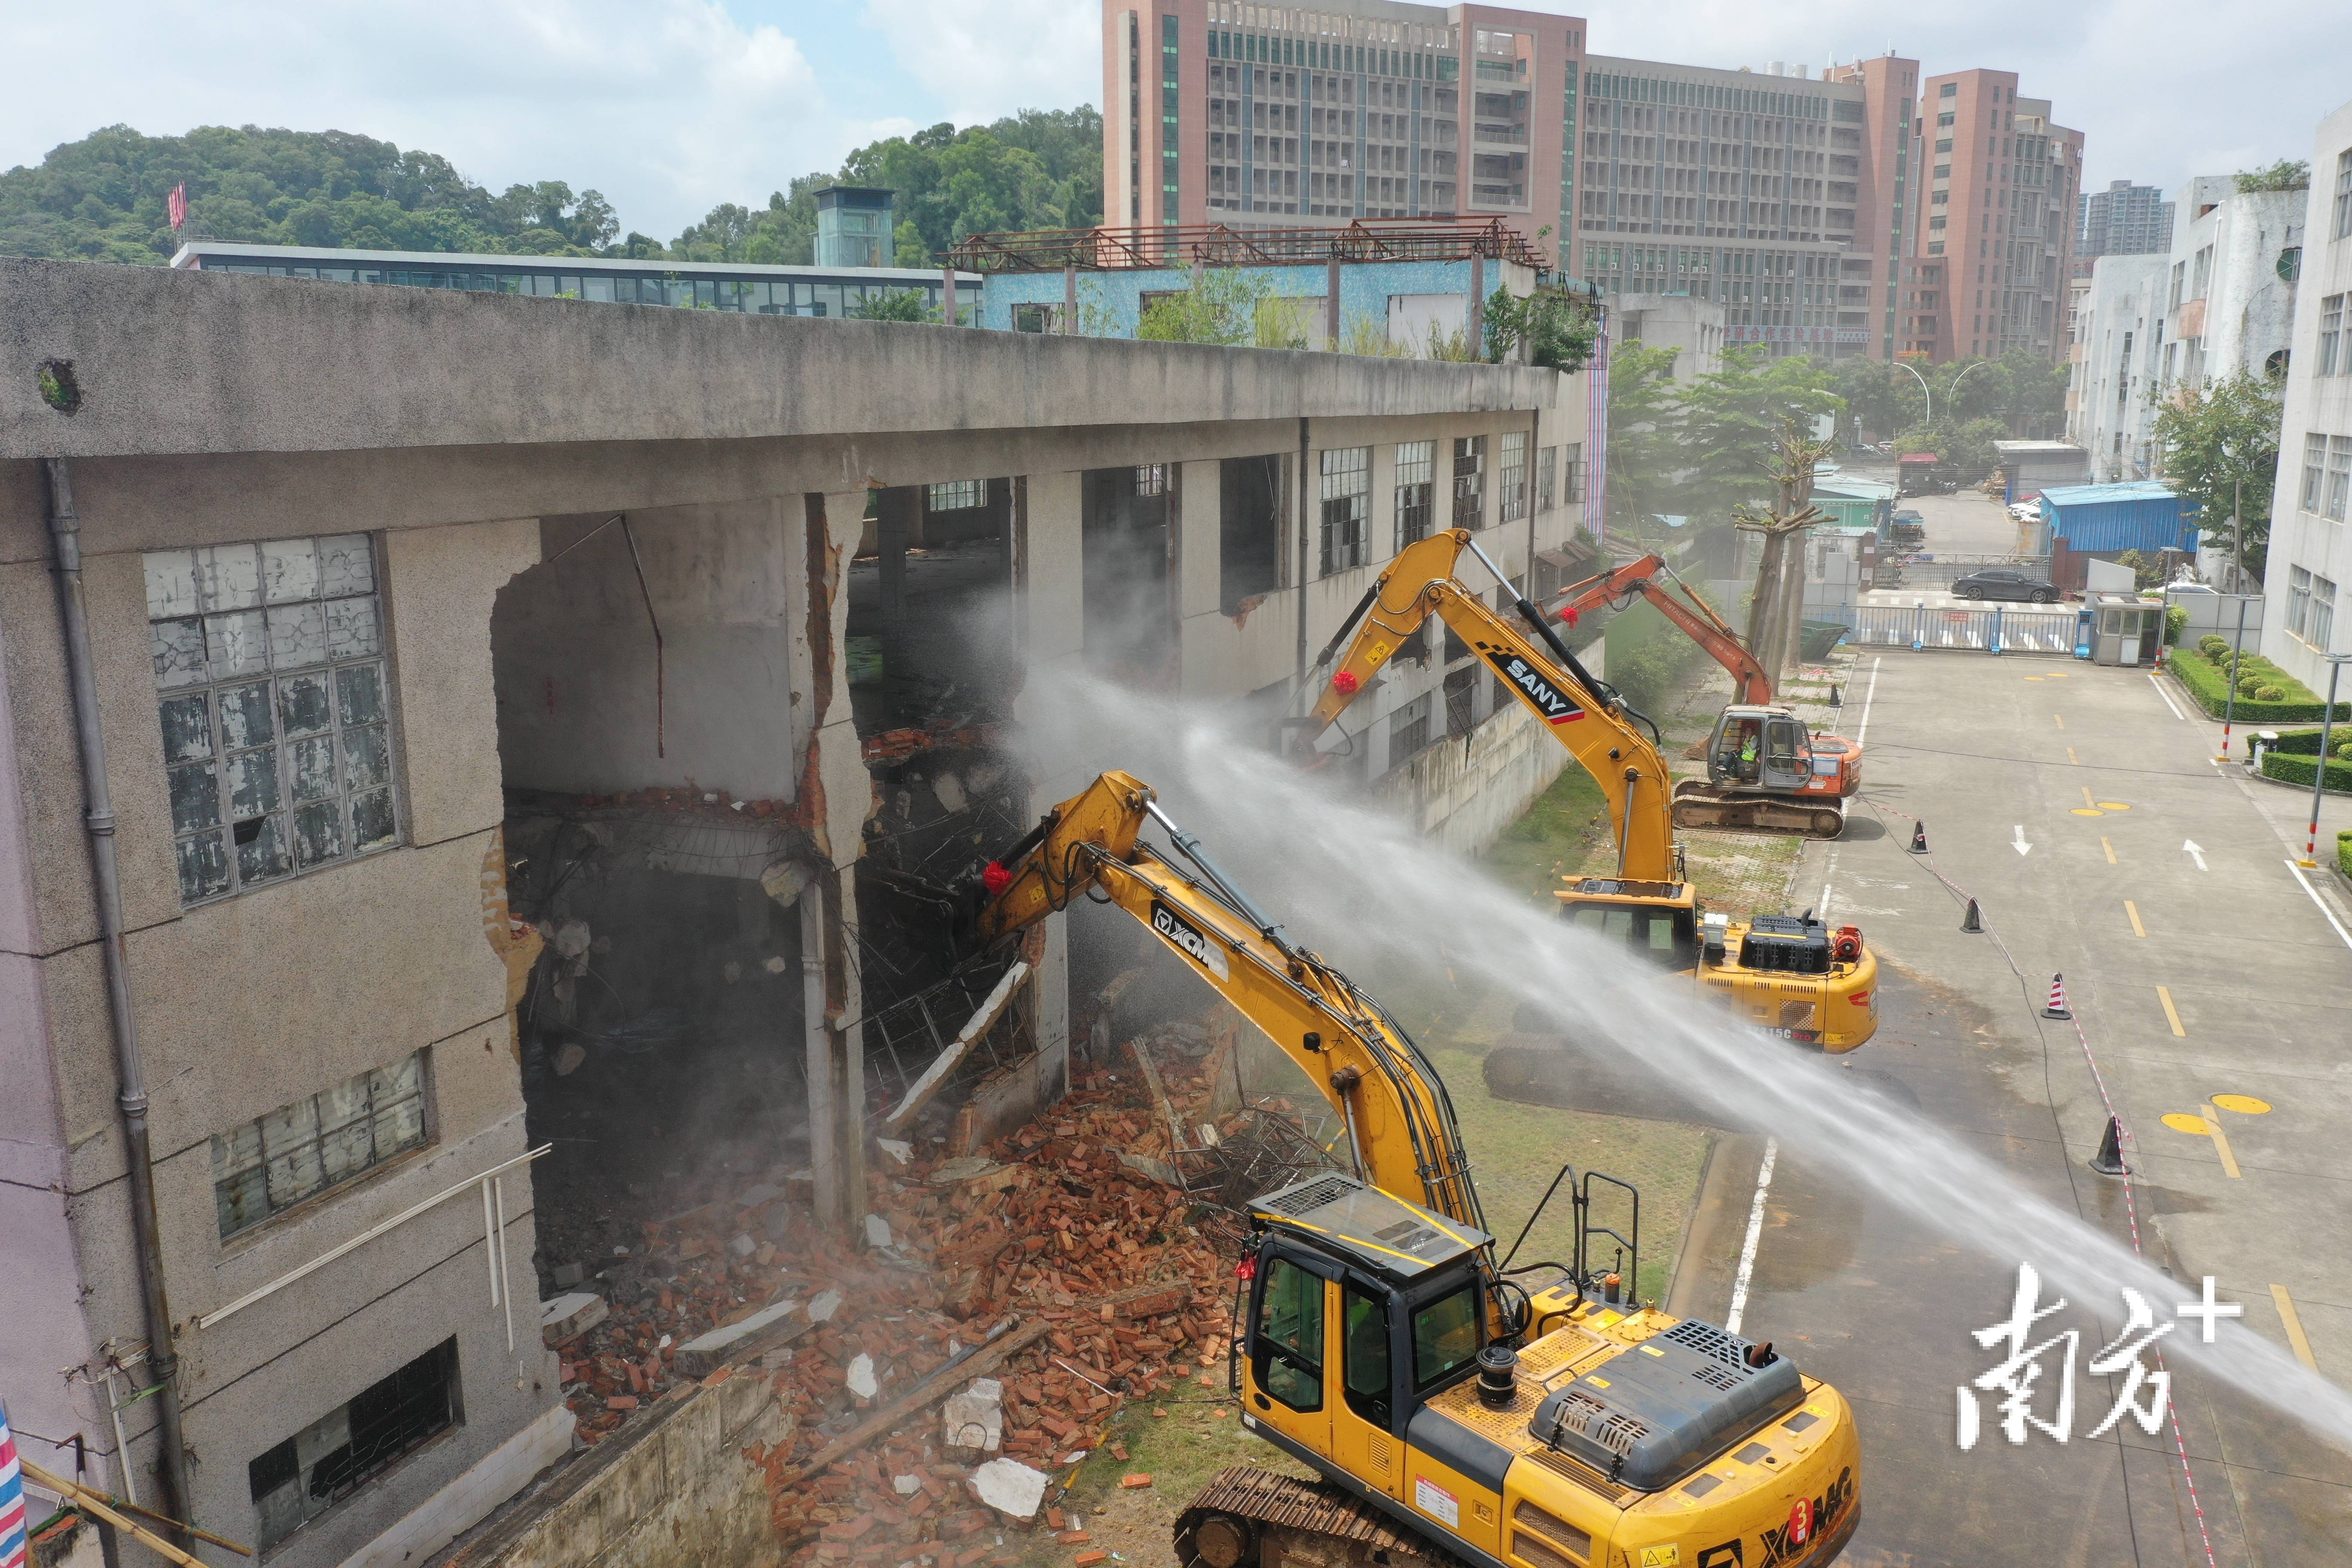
(1558, 834)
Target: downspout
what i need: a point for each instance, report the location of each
(162, 1358)
(1299, 680)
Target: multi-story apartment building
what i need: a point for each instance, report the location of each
(2111, 387)
(1996, 235)
(2124, 219)
(2309, 559)
(1276, 116)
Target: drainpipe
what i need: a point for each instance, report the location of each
(1298, 681)
(163, 1359)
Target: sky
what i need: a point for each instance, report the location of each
(670, 107)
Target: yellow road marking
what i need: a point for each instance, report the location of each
(2181, 1122)
(2057, 677)
(2294, 1321)
(2243, 1104)
(2113, 805)
(2220, 1141)
(2087, 796)
(2033, 678)
(2061, 718)
(2088, 811)
(2072, 758)
(2172, 1014)
(2133, 910)
(2110, 850)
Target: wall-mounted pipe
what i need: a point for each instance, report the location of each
(163, 1359)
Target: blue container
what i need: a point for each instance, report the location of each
(2098, 520)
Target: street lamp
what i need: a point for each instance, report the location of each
(1924, 392)
(2336, 662)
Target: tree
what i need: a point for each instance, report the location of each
(1731, 425)
(1964, 452)
(2286, 175)
(1775, 613)
(1558, 329)
(893, 305)
(1644, 435)
(2221, 450)
(1220, 305)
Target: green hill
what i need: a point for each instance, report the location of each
(102, 198)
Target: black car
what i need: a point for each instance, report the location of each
(2001, 583)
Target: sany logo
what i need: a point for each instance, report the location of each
(1549, 699)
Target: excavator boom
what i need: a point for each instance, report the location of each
(1543, 674)
(1399, 1121)
(1696, 619)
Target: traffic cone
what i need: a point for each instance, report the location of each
(1836, 700)
(1972, 923)
(2057, 1006)
(1918, 837)
(2109, 1160)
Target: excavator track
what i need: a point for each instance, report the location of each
(1698, 805)
(1249, 1518)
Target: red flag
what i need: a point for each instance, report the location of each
(177, 204)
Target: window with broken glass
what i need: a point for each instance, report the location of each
(1416, 463)
(300, 1151)
(1469, 481)
(276, 708)
(1347, 491)
(1547, 478)
(352, 1444)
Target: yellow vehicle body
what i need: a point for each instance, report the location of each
(1820, 990)
(1377, 1314)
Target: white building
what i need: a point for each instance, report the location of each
(2221, 302)
(2309, 560)
(1693, 327)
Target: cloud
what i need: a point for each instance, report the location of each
(985, 61)
(666, 105)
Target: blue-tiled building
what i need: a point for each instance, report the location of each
(1402, 299)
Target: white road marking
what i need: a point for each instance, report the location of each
(2325, 912)
(2194, 851)
(2018, 843)
(1755, 1235)
(1860, 734)
(2160, 691)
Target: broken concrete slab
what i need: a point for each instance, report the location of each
(1010, 1487)
(567, 1276)
(861, 1376)
(765, 1328)
(877, 1231)
(824, 1305)
(977, 1174)
(567, 1316)
(972, 1421)
(1160, 1170)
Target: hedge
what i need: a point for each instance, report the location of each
(2302, 742)
(2344, 852)
(2210, 688)
(2297, 770)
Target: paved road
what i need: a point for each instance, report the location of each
(1990, 752)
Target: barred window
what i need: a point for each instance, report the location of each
(1469, 481)
(276, 708)
(1416, 467)
(1409, 729)
(299, 1151)
(956, 495)
(1150, 479)
(1347, 489)
(1512, 504)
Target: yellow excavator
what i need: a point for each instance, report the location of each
(1789, 975)
(1458, 1409)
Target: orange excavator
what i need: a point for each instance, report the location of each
(1764, 768)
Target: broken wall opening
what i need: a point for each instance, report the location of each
(1131, 620)
(1249, 530)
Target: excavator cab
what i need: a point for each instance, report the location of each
(1760, 748)
(1657, 922)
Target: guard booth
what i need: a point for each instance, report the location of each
(2126, 630)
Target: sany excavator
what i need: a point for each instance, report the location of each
(1764, 769)
(1788, 975)
(1459, 1410)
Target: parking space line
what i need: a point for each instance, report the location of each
(1863, 733)
(2133, 910)
(2171, 1015)
(2160, 691)
(2110, 850)
(2294, 1321)
(2072, 758)
(1755, 1235)
(2061, 718)
(2221, 1140)
(2326, 913)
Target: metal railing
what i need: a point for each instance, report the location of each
(2000, 629)
(1451, 238)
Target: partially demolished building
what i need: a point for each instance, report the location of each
(477, 766)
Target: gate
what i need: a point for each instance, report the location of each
(1997, 630)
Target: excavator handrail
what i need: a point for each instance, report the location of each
(1402, 1126)
(1692, 615)
(1580, 711)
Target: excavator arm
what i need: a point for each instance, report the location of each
(1692, 613)
(1597, 730)
(1399, 1122)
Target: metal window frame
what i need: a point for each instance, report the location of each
(428, 1133)
(211, 689)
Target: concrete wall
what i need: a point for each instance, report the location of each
(1110, 304)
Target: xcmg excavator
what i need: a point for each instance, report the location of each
(1459, 1410)
(1789, 975)
(1764, 768)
